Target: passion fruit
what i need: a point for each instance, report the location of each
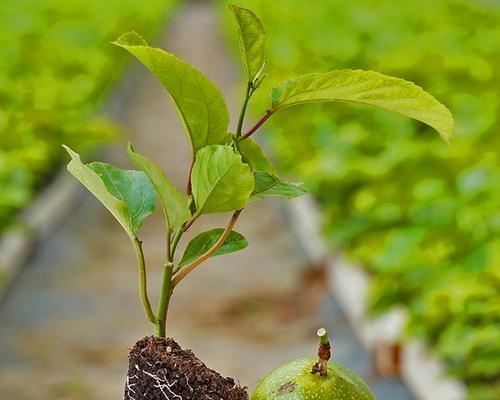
(311, 379)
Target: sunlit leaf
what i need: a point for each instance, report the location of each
(366, 87)
(204, 241)
(252, 40)
(199, 102)
(220, 180)
(174, 205)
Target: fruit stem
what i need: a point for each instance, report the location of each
(323, 336)
(324, 353)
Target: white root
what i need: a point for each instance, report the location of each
(160, 383)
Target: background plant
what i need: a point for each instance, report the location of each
(56, 70)
(228, 170)
(424, 219)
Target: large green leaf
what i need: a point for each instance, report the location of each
(173, 204)
(220, 180)
(254, 156)
(267, 185)
(128, 195)
(252, 40)
(205, 240)
(366, 87)
(199, 102)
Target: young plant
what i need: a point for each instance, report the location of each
(228, 170)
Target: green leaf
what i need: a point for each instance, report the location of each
(267, 185)
(174, 205)
(252, 40)
(133, 188)
(199, 102)
(128, 195)
(220, 180)
(205, 241)
(254, 156)
(366, 87)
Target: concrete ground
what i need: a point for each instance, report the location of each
(67, 324)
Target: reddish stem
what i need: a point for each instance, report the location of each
(205, 256)
(259, 123)
(190, 222)
(324, 354)
(188, 186)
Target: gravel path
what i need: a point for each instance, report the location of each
(66, 326)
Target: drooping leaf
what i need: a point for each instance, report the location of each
(254, 156)
(133, 188)
(128, 195)
(366, 87)
(199, 102)
(220, 180)
(252, 40)
(267, 185)
(174, 205)
(204, 241)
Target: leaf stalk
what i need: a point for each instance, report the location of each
(205, 256)
(143, 286)
(258, 124)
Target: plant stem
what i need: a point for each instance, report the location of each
(258, 124)
(323, 336)
(179, 233)
(190, 222)
(188, 184)
(165, 294)
(175, 242)
(169, 238)
(143, 285)
(324, 353)
(243, 111)
(205, 256)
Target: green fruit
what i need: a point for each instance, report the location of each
(295, 381)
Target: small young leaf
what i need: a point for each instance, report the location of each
(267, 185)
(133, 188)
(204, 241)
(252, 40)
(129, 214)
(199, 102)
(174, 205)
(254, 156)
(366, 87)
(220, 180)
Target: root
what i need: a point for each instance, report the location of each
(160, 370)
(162, 383)
(159, 382)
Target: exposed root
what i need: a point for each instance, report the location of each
(160, 369)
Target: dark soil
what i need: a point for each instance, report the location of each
(160, 370)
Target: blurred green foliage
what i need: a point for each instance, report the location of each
(57, 66)
(422, 217)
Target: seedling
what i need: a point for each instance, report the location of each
(228, 170)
